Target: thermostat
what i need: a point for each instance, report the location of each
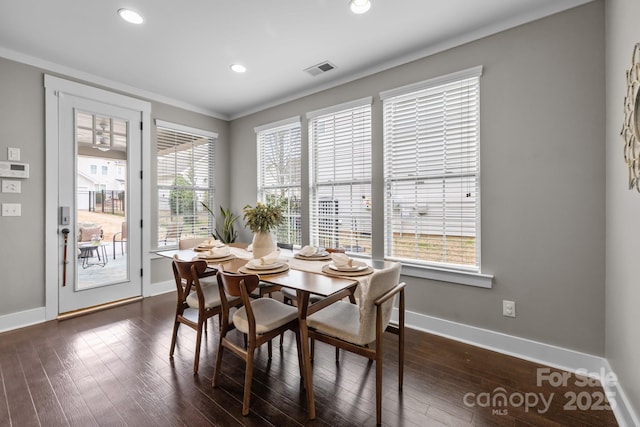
(14, 169)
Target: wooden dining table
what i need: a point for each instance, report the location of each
(306, 278)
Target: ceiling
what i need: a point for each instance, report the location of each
(182, 53)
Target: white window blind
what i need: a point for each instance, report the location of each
(185, 177)
(279, 166)
(431, 154)
(340, 196)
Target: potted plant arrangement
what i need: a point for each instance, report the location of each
(229, 233)
(261, 219)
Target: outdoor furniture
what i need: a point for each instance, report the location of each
(120, 236)
(173, 233)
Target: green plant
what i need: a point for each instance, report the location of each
(229, 233)
(263, 217)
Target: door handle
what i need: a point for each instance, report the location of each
(65, 232)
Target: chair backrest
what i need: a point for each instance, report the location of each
(174, 231)
(238, 285)
(287, 246)
(190, 242)
(380, 282)
(186, 274)
(124, 230)
(86, 233)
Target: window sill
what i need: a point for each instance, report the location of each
(443, 275)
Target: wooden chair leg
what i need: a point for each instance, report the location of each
(270, 350)
(312, 352)
(216, 373)
(379, 381)
(248, 376)
(196, 362)
(337, 354)
(176, 324)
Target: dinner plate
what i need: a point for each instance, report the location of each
(203, 256)
(315, 257)
(273, 266)
(345, 268)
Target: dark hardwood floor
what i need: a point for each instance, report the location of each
(112, 368)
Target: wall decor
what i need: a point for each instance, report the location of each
(631, 126)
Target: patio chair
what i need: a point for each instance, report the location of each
(120, 236)
(173, 233)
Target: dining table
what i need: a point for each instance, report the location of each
(304, 275)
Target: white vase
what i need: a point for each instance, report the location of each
(263, 244)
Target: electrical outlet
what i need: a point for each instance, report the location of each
(10, 186)
(11, 209)
(508, 308)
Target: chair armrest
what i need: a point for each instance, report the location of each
(331, 299)
(115, 236)
(390, 294)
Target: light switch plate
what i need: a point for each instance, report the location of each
(11, 186)
(11, 209)
(13, 154)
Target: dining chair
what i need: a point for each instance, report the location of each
(354, 327)
(196, 303)
(259, 319)
(120, 236)
(190, 243)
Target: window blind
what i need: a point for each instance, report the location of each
(340, 195)
(279, 176)
(185, 177)
(432, 194)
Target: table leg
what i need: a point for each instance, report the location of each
(303, 302)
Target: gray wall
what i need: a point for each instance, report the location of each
(623, 209)
(542, 160)
(22, 123)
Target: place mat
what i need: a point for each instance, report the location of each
(281, 269)
(214, 260)
(313, 257)
(331, 272)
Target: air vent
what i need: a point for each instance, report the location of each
(320, 68)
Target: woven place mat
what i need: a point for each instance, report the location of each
(313, 257)
(331, 272)
(284, 267)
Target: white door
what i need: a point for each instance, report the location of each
(99, 199)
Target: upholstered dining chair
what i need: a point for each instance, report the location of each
(191, 242)
(196, 303)
(355, 327)
(259, 319)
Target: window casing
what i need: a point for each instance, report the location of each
(185, 178)
(340, 177)
(432, 172)
(279, 174)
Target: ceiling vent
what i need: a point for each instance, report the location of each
(320, 68)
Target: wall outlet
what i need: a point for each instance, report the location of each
(508, 308)
(13, 154)
(11, 209)
(10, 186)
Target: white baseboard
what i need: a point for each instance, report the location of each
(537, 352)
(21, 319)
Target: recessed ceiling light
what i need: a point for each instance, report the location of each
(360, 6)
(238, 68)
(131, 16)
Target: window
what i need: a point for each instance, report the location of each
(94, 169)
(279, 164)
(340, 176)
(105, 170)
(431, 155)
(185, 178)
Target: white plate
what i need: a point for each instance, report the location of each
(252, 266)
(354, 268)
(316, 255)
(203, 256)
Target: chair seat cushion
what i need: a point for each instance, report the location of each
(269, 313)
(211, 296)
(340, 320)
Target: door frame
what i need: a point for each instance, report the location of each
(56, 87)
